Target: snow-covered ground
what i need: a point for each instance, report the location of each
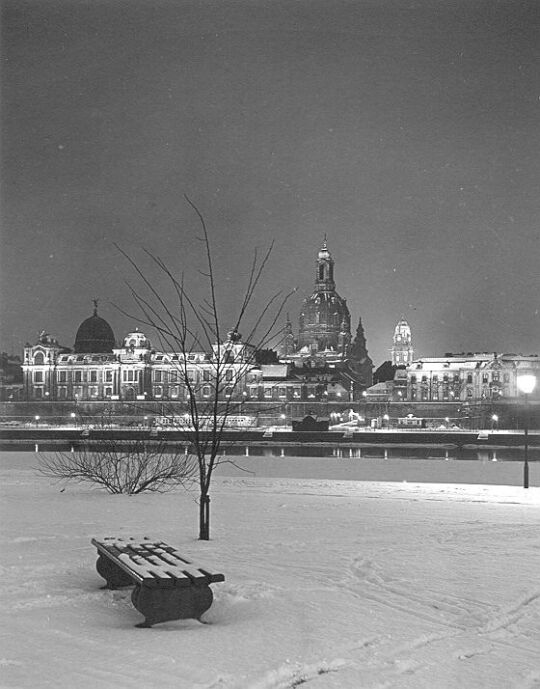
(330, 582)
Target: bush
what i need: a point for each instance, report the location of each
(122, 467)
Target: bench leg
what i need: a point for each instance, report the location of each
(113, 575)
(164, 604)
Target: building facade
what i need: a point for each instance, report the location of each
(133, 371)
(467, 377)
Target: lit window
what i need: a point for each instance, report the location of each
(206, 391)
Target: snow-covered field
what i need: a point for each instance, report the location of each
(330, 582)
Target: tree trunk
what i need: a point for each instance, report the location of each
(204, 517)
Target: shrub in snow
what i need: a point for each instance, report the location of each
(131, 468)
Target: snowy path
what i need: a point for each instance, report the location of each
(328, 583)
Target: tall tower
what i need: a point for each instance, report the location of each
(325, 321)
(402, 350)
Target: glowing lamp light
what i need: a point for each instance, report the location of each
(494, 417)
(526, 383)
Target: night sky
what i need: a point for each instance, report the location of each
(406, 131)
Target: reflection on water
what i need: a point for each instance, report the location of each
(355, 452)
(341, 451)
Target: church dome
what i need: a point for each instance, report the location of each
(94, 335)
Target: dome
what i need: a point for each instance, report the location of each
(136, 340)
(94, 335)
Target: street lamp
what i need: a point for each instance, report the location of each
(494, 420)
(526, 384)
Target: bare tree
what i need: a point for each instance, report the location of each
(129, 467)
(212, 384)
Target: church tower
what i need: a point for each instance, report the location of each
(325, 321)
(402, 350)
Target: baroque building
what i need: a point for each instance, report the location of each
(97, 370)
(324, 325)
(324, 329)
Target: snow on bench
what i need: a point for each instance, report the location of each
(168, 585)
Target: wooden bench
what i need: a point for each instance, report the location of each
(168, 585)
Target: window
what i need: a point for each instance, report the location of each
(206, 391)
(469, 380)
(228, 374)
(174, 391)
(93, 376)
(283, 392)
(296, 393)
(128, 375)
(206, 375)
(39, 358)
(228, 391)
(62, 393)
(108, 376)
(484, 378)
(253, 392)
(413, 379)
(268, 393)
(158, 390)
(38, 393)
(435, 378)
(158, 376)
(38, 376)
(62, 376)
(93, 391)
(424, 379)
(469, 392)
(108, 392)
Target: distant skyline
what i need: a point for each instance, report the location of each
(406, 131)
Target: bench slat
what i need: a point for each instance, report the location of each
(154, 563)
(151, 555)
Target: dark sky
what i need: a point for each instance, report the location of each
(407, 131)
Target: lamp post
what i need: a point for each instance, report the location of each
(526, 384)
